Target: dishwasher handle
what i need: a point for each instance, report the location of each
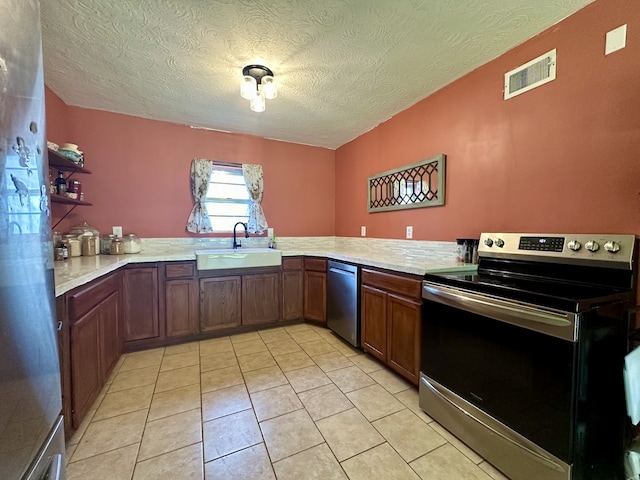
(341, 272)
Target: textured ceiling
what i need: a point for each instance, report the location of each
(341, 66)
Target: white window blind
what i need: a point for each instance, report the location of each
(227, 198)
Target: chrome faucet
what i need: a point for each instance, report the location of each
(236, 243)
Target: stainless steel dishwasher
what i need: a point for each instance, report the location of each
(343, 301)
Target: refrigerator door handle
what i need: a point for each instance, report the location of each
(55, 468)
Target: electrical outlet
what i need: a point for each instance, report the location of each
(117, 231)
(269, 232)
(409, 231)
(363, 231)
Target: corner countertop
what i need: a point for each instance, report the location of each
(78, 271)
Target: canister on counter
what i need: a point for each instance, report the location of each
(117, 246)
(132, 243)
(88, 246)
(74, 247)
(105, 244)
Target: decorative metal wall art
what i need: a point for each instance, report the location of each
(413, 186)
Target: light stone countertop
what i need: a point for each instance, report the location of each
(417, 260)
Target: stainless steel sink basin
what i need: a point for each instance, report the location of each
(241, 258)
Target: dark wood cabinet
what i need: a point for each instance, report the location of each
(220, 305)
(292, 288)
(93, 313)
(260, 298)
(86, 376)
(373, 308)
(110, 338)
(181, 307)
(403, 341)
(315, 289)
(181, 300)
(391, 315)
(141, 319)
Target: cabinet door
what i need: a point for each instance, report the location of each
(219, 303)
(315, 296)
(260, 298)
(292, 295)
(373, 309)
(141, 304)
(110, 341)
(181, 307)
(403, 317)
(86, 377)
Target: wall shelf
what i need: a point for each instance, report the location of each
(55, 198)
(63, 163)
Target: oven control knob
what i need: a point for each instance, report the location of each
(574, 245)
(612, 247)
(488, 242)
(499, 243)
(592, 246)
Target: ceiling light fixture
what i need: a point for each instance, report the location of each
(257, 85)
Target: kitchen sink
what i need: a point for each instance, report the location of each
(241, 258)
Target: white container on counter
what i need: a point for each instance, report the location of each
(132, 243)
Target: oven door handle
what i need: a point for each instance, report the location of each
(555, 323)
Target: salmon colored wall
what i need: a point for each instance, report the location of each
(56, 117)
(140, 174)
(564, 157)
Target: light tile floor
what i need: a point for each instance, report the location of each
(287, 403)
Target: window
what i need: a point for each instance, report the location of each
(227, 198)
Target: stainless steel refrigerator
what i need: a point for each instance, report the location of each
(31, 431)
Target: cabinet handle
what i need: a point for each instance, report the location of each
(59, 326)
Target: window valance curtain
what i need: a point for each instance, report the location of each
(200, 175)
(253, 178)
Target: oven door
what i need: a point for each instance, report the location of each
(511, 360)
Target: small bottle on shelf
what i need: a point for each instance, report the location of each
(61, 184)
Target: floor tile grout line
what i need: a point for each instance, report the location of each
(102, 453)
(167, 452)
(264, 440)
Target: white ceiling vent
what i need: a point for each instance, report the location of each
(530, 75)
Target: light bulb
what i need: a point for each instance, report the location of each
(269, 87)
(248, 87)
(257, 103)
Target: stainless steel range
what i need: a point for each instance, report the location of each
(523, 360)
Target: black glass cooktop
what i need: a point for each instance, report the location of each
(563, 289)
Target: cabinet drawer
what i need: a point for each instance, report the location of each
(87, 298)
(292, 263)
(315, 264)
(179, 270)
(409, 287)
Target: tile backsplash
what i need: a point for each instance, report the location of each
(410, 249)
